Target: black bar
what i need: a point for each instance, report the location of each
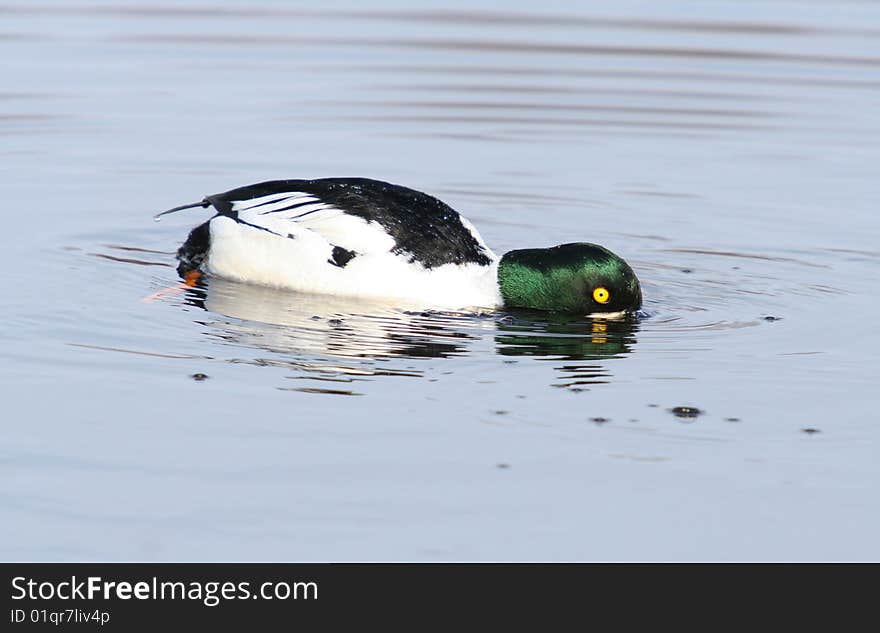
(320, 594)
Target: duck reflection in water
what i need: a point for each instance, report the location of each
(566, 338)
(305, 326)
(293, 323)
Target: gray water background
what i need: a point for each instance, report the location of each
(728, 150)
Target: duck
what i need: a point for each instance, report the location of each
(365, 238)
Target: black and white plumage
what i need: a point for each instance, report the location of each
(345, 236)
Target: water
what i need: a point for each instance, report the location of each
(727, 150)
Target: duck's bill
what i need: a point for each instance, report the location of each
(607, 315)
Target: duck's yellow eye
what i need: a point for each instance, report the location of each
(601, 295)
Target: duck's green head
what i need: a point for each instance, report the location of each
(579, 278)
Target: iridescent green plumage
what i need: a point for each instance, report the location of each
(564, 278)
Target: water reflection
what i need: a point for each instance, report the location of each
(287, 322)
(363, 337)
(566, 338)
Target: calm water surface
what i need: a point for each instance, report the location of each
(728, 150)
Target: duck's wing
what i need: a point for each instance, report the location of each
(360, 216)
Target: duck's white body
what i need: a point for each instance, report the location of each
(309, 241)
(244, 253)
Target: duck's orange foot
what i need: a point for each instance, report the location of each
(190, 279)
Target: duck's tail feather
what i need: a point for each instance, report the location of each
(203, 204)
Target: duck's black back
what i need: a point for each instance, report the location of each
(423, 227)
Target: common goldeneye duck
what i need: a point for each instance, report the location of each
(366, 238)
